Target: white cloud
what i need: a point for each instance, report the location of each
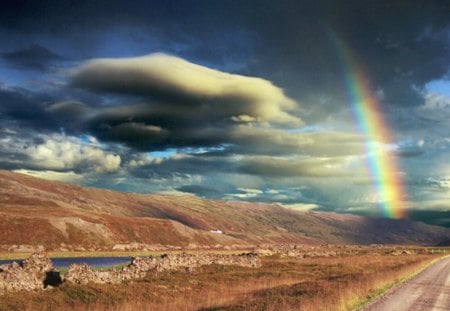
(443, 183)
(143, 160)
(253, 191)
(60, 152)
(52, 175)
(436, 107)
(242, 98)
(304, 207)
(245, 193)
(272, 191)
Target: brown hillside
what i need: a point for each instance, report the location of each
(36, 211)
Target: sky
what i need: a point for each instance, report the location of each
(318, 105)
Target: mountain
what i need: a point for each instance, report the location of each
(36, 211)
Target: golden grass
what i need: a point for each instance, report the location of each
(335, 283)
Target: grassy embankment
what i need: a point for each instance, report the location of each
(334, 283)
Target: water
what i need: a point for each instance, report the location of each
(92, 261)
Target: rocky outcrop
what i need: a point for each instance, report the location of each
(402, 252)
(139, 267)
(34, 273)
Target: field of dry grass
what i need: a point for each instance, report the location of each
(328, 283)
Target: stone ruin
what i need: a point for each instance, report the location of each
(139, 267)
(37, 272)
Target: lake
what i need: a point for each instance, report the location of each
(92, 261)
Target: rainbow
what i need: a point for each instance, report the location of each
(382, 165)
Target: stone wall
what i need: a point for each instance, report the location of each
(34, 273)
(37, 272)
(139, 267)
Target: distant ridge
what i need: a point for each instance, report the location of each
(444, 243)
(57, 215)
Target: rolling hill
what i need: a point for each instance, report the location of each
(53, 214)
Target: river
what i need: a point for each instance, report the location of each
(92, 261)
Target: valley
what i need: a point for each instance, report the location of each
(303, 260)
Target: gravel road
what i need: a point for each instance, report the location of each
(428, 291)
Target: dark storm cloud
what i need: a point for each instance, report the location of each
(20, 108)
(284, 167)
(184, 85)
(402, 44)
(184, 104)
(410, 152)
(435, 217)
(188, 105)
(29, 113)
(34, 57)
(11, 159)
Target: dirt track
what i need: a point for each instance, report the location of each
(428, 291)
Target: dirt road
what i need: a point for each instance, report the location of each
(428, 291)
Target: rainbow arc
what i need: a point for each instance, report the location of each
(382, 164)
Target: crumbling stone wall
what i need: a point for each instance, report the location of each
(37, 272)
(32, 274)
(139, 267)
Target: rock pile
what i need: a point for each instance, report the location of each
(300, 251)
(329, 250)
(22, 248)
(402, 252)
(139, 267)
(34, 273)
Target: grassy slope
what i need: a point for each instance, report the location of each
(63, 213)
